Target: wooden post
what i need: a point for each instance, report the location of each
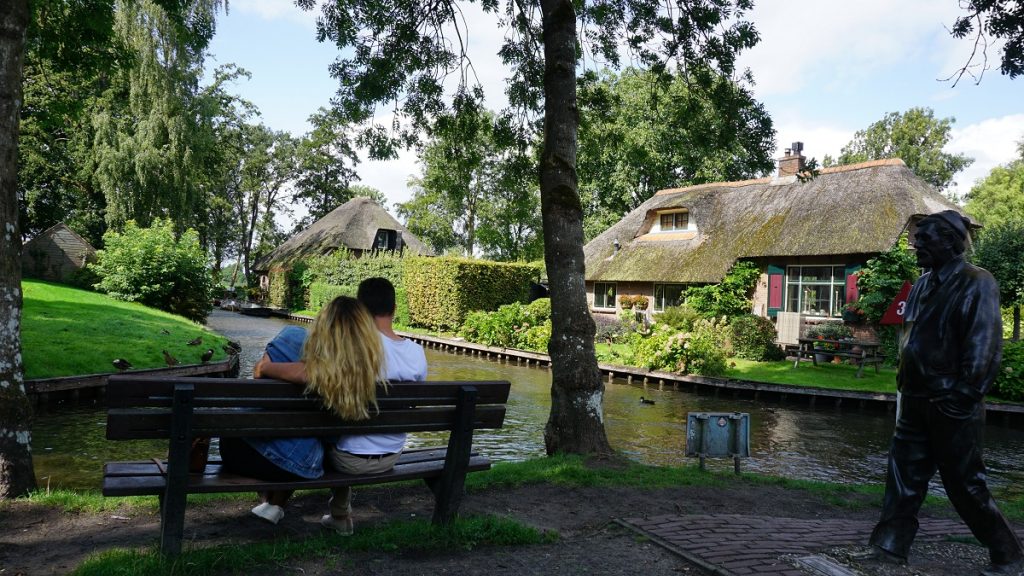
(172, 511)
(456, 461)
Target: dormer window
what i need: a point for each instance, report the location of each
(673, 221)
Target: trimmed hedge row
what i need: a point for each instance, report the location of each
(442, 291)
(321, 293)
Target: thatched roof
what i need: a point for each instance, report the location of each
(354, 225)
(855, 209)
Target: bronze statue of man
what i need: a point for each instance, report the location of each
(949, 355)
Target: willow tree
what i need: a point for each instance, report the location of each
(401, 52)
(147, 150)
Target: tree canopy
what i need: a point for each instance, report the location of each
(475, 190)
(917, 137)
(997, 19)
(998, 250)
(641, 132)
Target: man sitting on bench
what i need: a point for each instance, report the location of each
(403, 360)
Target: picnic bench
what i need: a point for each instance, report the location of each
(179, 409)
(863, 353)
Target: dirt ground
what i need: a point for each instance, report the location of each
(41, 540)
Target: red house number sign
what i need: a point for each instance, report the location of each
(894, 315)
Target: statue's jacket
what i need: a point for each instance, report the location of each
(952, 334)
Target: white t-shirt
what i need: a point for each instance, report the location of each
(404, 360)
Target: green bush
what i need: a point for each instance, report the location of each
(698, 351)
(753, 338)
(516, 325)
(540, 309)
(152, 267)
(280, 288)
(882, 277)
(679, 317)
(442, 291)
(730, 297)
(1009, 384)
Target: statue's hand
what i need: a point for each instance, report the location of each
(956, 405)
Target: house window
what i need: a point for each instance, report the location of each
(604, 295)
(674, 221)
(384, 240)
(816, 290)
(666, 295)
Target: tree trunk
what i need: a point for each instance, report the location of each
(1016, 323)
(16, 474)
(576, 423)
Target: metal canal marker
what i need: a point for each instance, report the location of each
(718, 435)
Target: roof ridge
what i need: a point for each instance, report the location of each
(766, 180)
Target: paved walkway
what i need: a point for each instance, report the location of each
(735, 545)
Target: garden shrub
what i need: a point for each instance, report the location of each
(540, 309)
(730, 297)
(698, 351)
(152, 267)
(510, 326)
(280, 288)
(1009, 384)
(679, 317)
(753, 338)
(881, 279)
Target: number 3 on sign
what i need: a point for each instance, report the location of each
(901, 307)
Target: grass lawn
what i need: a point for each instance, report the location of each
(66, 331)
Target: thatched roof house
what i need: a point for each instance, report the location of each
(55, 254)
(360, 225)
(808, 237)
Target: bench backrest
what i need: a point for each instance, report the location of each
(141, 407)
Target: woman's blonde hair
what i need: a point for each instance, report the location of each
(343, 356)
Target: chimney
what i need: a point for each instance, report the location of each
(793, 161)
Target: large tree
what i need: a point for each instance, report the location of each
(917, 137)
(16, 475)
(326, 165)
(475, 190)
(401, 52)
(641, 132)
(999, 250)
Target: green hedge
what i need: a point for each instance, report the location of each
(279, 289)
(442, 291)
(321, 293)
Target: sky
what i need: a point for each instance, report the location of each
(823, 70)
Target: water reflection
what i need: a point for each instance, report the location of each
(821, 443)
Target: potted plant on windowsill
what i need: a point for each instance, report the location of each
(853, 313)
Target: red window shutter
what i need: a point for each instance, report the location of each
(775, 290)
(851, 287)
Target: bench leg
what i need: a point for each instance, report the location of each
(172, 508)
(450, 486)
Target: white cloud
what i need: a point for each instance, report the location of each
(845, 41)
(990, 142)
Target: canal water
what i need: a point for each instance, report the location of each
(796, 441)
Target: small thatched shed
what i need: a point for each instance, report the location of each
(808, 237)
(55, 254)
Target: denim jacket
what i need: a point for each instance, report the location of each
(303, 457)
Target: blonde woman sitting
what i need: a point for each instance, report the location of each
(342, 364)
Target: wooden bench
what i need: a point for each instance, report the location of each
(868, 353)
(179, 409)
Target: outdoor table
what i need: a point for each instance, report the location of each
(861, 351)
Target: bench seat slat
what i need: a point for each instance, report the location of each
(225, 482)
(149, 467)
(138, 423)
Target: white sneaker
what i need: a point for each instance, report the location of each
(342, 526)
(269, 512)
